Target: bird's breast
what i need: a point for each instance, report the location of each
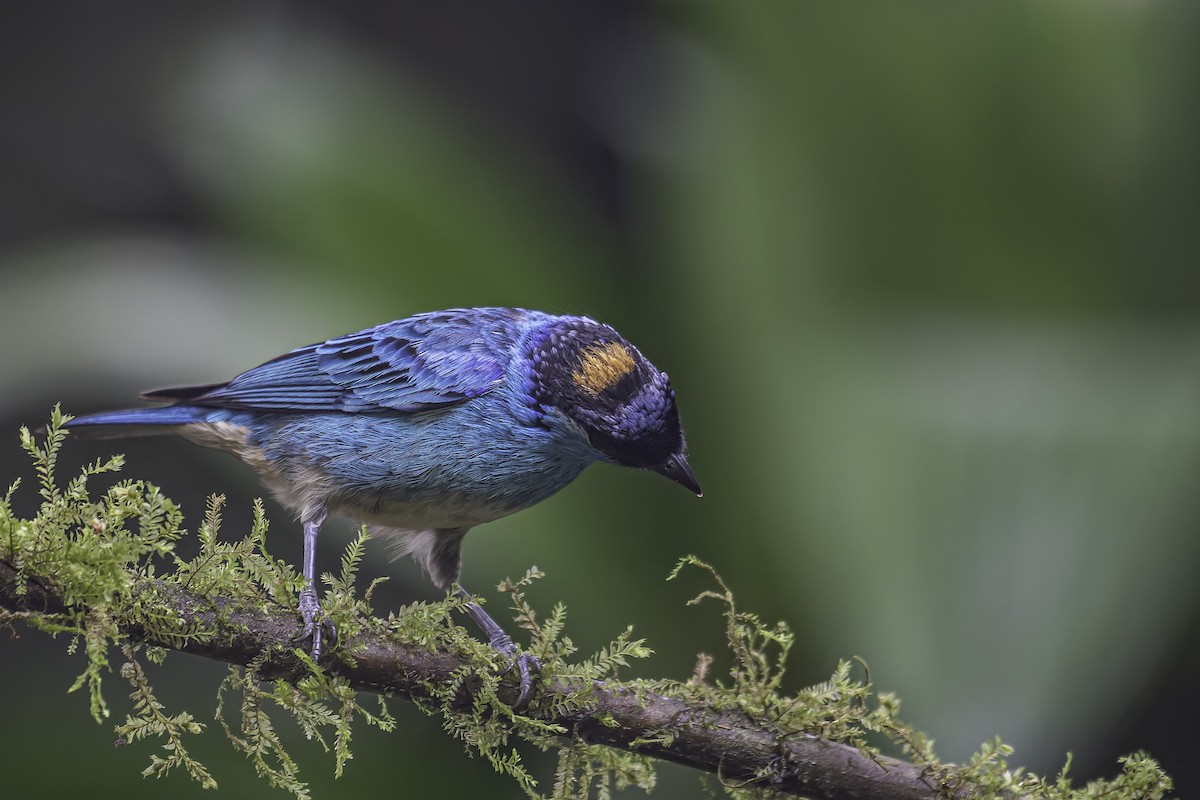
(450, 468)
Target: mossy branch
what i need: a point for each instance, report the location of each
(105, 572)
(733, 746)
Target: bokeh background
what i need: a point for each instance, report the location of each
(924, 276)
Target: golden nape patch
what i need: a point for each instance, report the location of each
(601, 366)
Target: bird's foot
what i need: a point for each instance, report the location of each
(316, 624)
(526, 664)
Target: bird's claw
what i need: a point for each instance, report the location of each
(310, 609)
(526, 664)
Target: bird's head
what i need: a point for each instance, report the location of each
(623, 403)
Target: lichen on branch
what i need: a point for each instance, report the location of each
(105, 573)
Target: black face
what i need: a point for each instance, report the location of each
(622, 402)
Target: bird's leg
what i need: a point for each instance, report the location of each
(502, 643)
(310, 606)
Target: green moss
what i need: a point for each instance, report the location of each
(100, 554)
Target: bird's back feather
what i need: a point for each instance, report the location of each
(416, 364)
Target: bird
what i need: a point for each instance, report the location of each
(427, 426)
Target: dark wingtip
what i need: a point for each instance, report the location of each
(180, 393)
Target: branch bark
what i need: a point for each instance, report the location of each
(731, 746)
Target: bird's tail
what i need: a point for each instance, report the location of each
(138, 421)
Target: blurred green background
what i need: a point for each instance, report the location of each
(924, 277)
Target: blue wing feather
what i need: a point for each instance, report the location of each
(423, 362)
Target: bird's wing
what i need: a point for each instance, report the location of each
(423, 362)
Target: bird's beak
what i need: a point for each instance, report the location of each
(677, 469)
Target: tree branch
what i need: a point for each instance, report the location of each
(731, 746)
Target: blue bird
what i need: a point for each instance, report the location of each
(427, 426)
